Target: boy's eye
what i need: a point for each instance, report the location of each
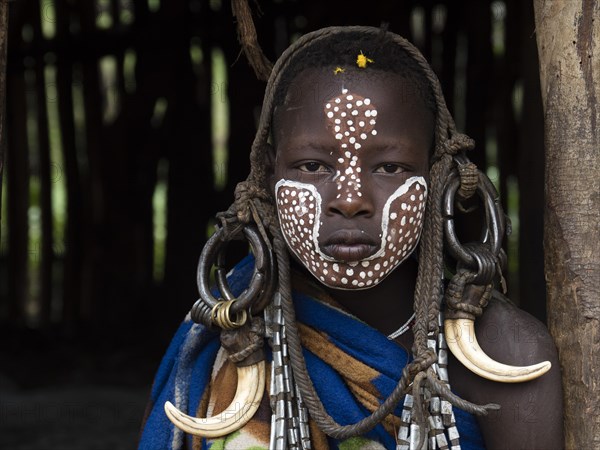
(389, 168)
(312, 167)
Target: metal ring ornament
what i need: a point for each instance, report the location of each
(460, 333)
(211, 310)
(487, 263)
(229, 312)
(493, 231)
(221, 315)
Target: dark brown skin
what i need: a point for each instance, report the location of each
(531, 412)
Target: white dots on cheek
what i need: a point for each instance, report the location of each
(297, 222)
(403, 228)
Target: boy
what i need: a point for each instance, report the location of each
(354, 170)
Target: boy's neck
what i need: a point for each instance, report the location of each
(386, 306)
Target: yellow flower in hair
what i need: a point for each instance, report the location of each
(338, 70)
(362, 60)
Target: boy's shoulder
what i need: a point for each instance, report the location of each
(532, 409)
(513, 335)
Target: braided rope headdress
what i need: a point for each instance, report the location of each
(422, 378)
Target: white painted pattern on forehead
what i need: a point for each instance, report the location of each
(351, 118)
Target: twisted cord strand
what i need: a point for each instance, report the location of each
(256, 335)
(247, 36)
(431, 265)
(456, 305)
(442, 390)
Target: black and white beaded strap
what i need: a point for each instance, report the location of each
(441, 426)
(289, 420)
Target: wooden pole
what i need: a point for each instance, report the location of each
(568, 37)
(3, 42)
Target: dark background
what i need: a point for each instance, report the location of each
(130, 123)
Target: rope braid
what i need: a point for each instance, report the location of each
(254, 203)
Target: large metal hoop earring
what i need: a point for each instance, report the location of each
(225, 310)
(477, 264)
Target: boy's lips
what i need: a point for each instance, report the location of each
(349, 245)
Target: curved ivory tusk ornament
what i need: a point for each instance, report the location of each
(462, 342)
(250, 389)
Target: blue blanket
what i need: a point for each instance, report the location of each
(353, 366)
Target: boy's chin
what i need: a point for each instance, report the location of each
(345, 276)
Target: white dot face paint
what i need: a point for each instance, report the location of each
(350, 132)
(395, 246)
(354, 122)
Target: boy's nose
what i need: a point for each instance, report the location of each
(351, 206)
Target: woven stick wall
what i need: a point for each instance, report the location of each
(115, 109)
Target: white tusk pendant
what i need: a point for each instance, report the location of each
(250, 389)
(462, 342)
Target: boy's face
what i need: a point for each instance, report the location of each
(350, 173)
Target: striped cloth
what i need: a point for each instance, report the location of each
(353, 367)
